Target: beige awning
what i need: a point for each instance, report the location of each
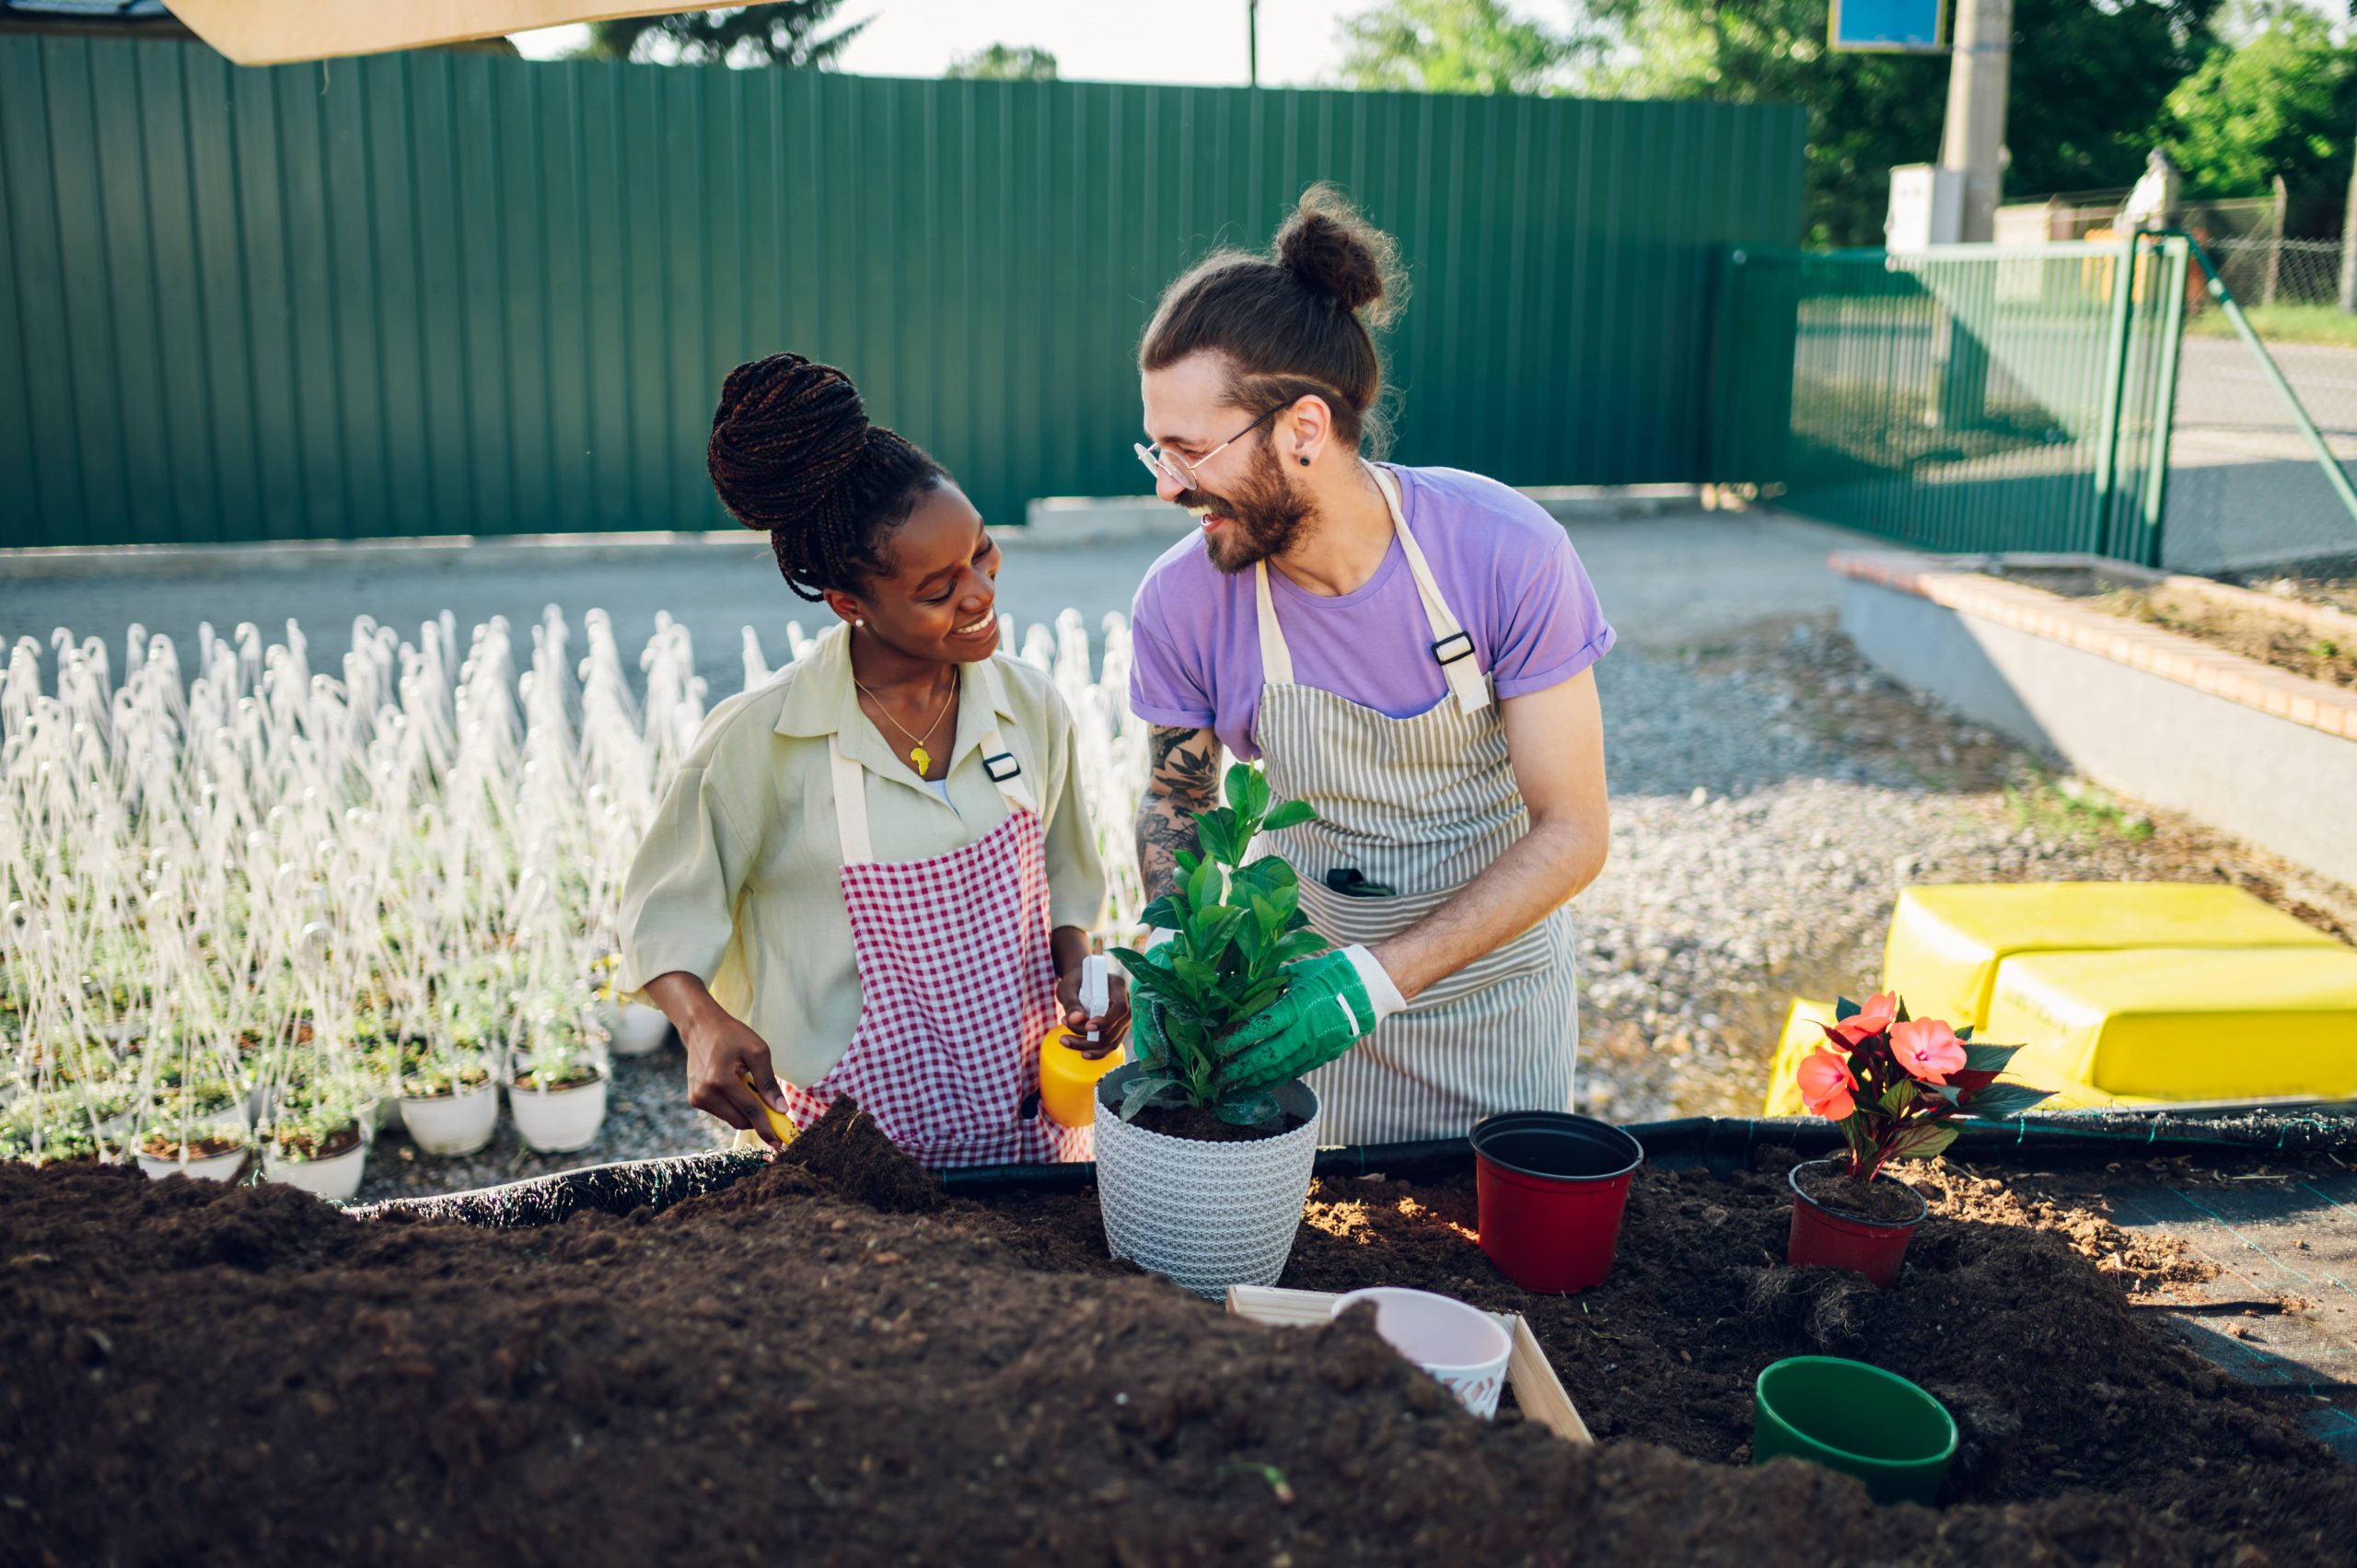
(271, 33)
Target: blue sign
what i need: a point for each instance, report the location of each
(1890, 27)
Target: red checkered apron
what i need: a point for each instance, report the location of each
(957, 987)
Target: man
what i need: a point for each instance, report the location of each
(1408, 650)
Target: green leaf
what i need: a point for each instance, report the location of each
(1987, 1058)
(1268, 875)
(1210, 931)
(1186, 860)
(1254, 939)
(1922, 1141)
(1198, 974)
(1147, 1088)
(1301, 944)
(1256, 1001)
(1168, 911)
(1845, 1009)
(1203, 888)
(1268, 916)
(1248, 1107)
(1898, 1097)
(2005, 1100)
(1288, 814)
(1248, 793)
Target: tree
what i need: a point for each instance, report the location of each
(786, 32)
(1005, 63)
(1447, 46)
(2089, 79)
(2280, 103)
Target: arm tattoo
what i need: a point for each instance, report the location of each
(1182, 780)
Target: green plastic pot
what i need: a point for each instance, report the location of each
(1856, 1419)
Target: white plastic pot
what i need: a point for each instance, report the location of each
(214, 1167)
(336, 1177)
(557, 1122)
(1209, 1215)
(457, 1123)
(637, 1028)
(1461, 1345)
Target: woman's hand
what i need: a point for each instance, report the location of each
(722, 1054)
(1111, 1027)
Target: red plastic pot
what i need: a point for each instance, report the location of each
(1551, 1188)
(1827, 1238)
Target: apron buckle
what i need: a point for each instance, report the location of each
(1351, 883)
(1453, 638)
(1002, 767)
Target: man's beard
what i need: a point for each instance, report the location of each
(1265, 515)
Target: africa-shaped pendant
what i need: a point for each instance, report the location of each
(922, 759)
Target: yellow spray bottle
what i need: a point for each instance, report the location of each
(1068, 1078)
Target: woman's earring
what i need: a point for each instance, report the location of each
(1304, 462)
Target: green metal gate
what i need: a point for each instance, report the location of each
(1967, 397)
(443, 293)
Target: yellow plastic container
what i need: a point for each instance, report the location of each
(1947, 943)
(1068, 1079)
(2180, 1023)
(1802, 1035)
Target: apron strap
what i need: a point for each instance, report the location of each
(1451, 645)
(999, 761)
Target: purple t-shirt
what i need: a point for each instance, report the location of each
(1503, 565)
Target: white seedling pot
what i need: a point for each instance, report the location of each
(1210, 1216)
(1461, 1345)
(558, 1122)
(457, 1123)
(214, 1167)
(336, 1177)
(637, 1029)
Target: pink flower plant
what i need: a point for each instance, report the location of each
(1893, 1083)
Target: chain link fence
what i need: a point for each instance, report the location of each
(2247, 497)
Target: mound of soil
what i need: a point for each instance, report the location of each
(200, 1374)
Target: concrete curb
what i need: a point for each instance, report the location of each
(2255, 750)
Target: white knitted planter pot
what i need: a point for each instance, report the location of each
(557, 1122)
(1210, 1216)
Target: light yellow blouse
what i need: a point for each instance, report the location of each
(737, 882)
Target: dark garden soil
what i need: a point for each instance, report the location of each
(1888, 1203)
(834, 1362)
(1205, 1127)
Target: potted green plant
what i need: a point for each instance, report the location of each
(1201, 1171)
(556, 1086)
(316, 1139)
(632, 1028)
(1892, 1083)
(449, 1097)
(197, 1129)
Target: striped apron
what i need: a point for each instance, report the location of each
(1423, 806)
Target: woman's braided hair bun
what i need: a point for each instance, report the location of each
(1334, 251)
(786, 436)
(793, 453)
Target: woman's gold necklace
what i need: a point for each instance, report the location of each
(918, 756)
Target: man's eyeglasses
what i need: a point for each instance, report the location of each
(1170, 465)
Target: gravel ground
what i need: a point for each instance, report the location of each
(1770, 798)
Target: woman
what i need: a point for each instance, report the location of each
(874, 876)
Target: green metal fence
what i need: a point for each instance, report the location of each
(446, 293)
(1962, 398)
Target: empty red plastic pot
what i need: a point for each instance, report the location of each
(1552, 1187)
(1827, 1238)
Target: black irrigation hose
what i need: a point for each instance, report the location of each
(1722, 1143)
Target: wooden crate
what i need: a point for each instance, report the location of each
(1537, 1389)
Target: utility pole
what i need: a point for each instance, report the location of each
(1252, 43)
(1973, 141)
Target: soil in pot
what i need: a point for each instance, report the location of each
(1203, 1124)
(1883, 1201)
(303, 1148)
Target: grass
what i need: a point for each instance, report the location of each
(2046, 804)
(2324, 324)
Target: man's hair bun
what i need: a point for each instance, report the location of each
(786, 439)
(1334, 251)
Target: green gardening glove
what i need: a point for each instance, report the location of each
(1325, 1010)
